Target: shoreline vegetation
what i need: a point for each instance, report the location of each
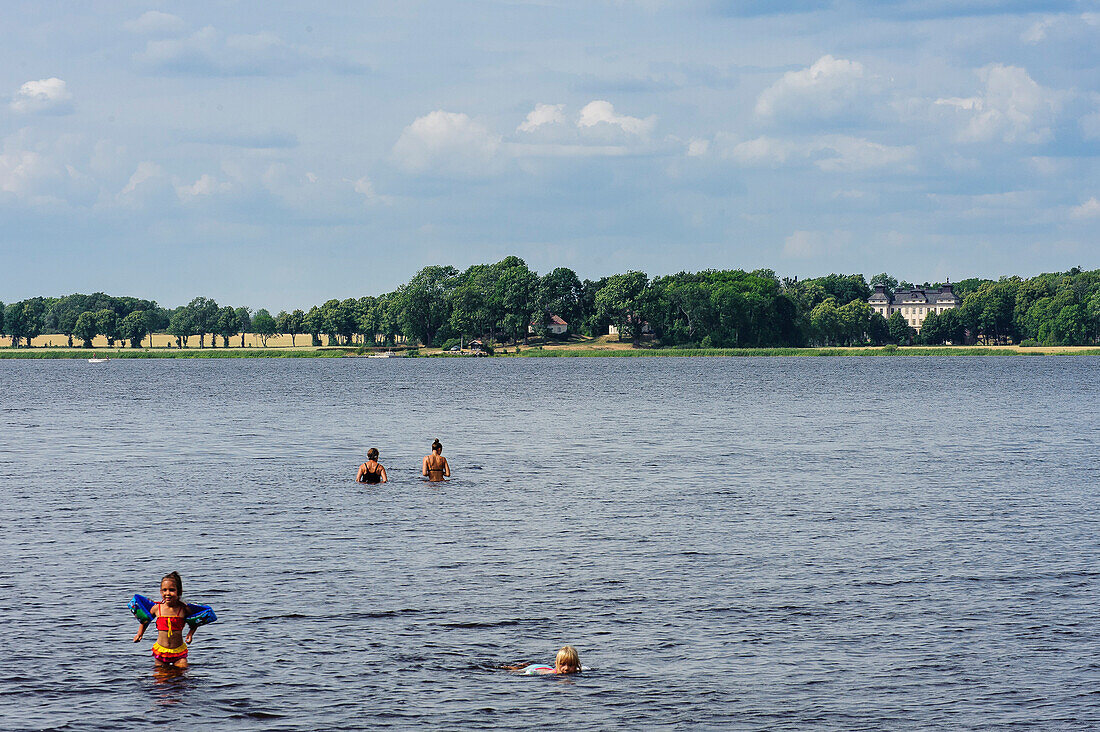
(600, 347)
(502, 306)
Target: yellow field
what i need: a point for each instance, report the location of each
(161, 340)
(600, 343)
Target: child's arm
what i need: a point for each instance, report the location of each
(152, 611)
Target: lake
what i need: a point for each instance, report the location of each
(730, 543)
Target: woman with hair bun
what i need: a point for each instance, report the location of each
(435, 466)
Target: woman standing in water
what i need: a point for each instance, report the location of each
(371, 471)
(435, 466)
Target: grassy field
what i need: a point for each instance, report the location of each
(83, 353)
(610, 346)
(52, 346)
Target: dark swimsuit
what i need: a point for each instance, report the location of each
(369, 477)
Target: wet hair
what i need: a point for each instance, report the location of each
(437, 446)
(175, 577)
(569, 658)
(372, 454)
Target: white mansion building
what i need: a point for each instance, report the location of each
(913, 304)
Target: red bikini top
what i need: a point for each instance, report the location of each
(170, 623)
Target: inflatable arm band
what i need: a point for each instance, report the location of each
(142, 608)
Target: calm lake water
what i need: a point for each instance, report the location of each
(756, 544)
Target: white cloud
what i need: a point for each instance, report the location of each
(155, 23)
(47, 96)
(601, 112)
(149, 186)
(1090, 209)
(46, 170)
(1011, 108)
(447, 142)
(697, 148)
(365, 188)
(825, 89)
(830, 153)
(18, 170)
(145, 172)
(206, 185)
(542, 114)
(1037, 33)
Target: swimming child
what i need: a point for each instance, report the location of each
(435, 466)
(371, 471)
(171, 615)
(568, 661)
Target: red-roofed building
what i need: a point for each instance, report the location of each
(554, 324)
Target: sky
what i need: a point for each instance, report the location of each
(280, 154)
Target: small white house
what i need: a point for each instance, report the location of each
(554, 324)
(647, 329)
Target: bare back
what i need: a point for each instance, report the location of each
(435, 467)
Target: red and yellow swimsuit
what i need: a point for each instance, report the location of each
(170, 624)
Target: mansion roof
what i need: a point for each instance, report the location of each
(915, 296)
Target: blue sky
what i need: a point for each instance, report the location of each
(278, 154)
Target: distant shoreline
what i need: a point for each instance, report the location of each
(553, 352)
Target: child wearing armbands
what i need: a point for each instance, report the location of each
(568, 661)
(171, 615)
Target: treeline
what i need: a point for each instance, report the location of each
(498, 302)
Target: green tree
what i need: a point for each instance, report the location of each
(86, 328)
(180, 325)
(854, 321)
(825, 322)
(559, 294)
(244, 322)
(890, 283)
(953, 327)
(295, 324)
(204, 317)
(282, 323)
(313, 323)
(900, 331)
(24, 320)
(226, 325)
(422, 303)
(264, 325)
(623, 300)
(518, 291)
(878, 330)
(107, 324)
(366, 323)
(2, 331)
(63, 314)
(134, 327)
(844, 288)
(341, 319)
(932, 330)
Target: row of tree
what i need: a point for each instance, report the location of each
(713, 308)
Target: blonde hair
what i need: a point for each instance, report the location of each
(568, 657)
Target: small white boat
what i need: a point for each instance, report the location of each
(96, 359)
(387, 354)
